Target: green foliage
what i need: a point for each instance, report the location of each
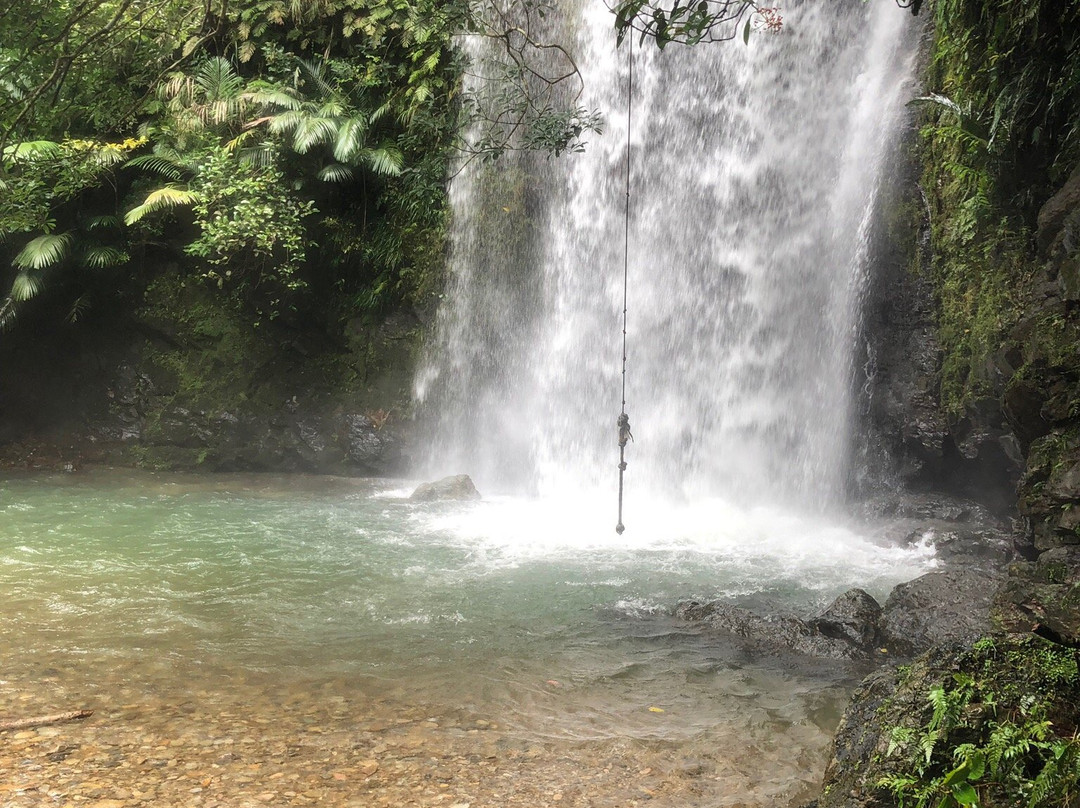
(60, 62)
(248, 218)
(692, 21)
(1002, 132)
(43, 179)
(989, 733)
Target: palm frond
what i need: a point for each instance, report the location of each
(164, 198)
(382, 111)
(159, 164)
(315, 71)
(108, 155)
(7, 313)
(313, 131)
(26, 284)
(43, 251)
(386, 160)
(350, 139)
(237, 142)
(286, 121)
(98, 257)
(331, 108)
(78, 307)
(260, 156)
(102, 222)
(218, 79)
(272, 97)
(31, 150)
(335, 172)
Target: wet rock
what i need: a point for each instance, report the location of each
(1050, 490)
(901, 363)
(955, 544)
(458, 487)
(950, 607)
(852, 617)
(1060, 216)
(846, 630)
(369, 447)
(930, 506)
(882, 701)
(1043, 596)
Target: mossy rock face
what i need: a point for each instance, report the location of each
(1050, 491)
(908, 728)
(1043, 596)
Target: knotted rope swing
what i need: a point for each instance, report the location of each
(623, 421)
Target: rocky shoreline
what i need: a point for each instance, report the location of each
(926, 635)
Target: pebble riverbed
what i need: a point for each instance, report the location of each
(249, 741)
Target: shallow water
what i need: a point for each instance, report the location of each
(284, 602)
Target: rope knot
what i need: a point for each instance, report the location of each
(624, 429)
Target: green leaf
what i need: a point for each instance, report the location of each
(101, 257)
(746, 33)
(965, 794)
(163, 198)
(350, 139)
(387, 161)
(31, 150)
(313, 131)
(43, 251)
(25, 286)
(102, 222)
(335, 172)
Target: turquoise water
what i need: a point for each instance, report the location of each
(534, 612)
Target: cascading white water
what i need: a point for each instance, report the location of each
(754, 173)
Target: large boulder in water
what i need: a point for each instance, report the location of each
(853, 618)
(846, 630)
(456, 488)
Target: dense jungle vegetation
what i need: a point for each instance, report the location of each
(287, 154)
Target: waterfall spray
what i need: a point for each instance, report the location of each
(759, 169)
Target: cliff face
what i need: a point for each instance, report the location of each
(973, 329)
(185, 379)
(973, 325)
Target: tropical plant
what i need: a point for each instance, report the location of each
(318, 111)
(41, 178)
(989, 739)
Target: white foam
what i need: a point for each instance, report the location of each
(763, 543)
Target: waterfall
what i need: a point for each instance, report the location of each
(754, 172)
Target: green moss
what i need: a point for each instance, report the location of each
(211, 347)
(1007, 138)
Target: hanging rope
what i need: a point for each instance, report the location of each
(623, 422)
